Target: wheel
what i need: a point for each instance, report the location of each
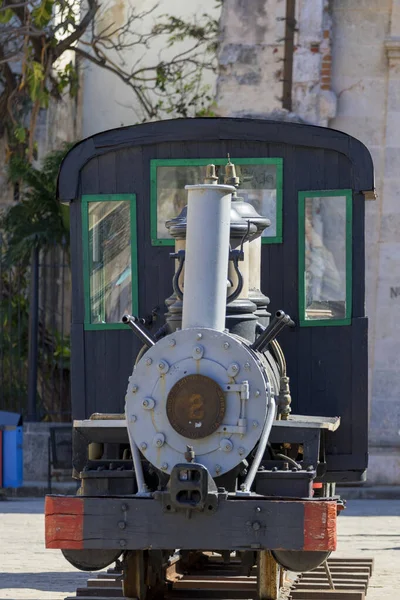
(300, 561)
(91, 560)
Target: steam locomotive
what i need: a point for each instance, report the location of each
(218, 445)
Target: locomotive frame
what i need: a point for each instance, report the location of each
(293, 512)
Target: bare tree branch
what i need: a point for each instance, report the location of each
(37, 33)
(79, 30)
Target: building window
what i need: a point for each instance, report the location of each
(325, 255)
(260, 185)
(110, 264)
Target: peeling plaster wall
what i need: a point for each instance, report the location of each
(366, 80)
(251, 61)
(312, 97)
(251, 57)
(346, 75)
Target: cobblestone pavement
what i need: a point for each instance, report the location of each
(369, 528)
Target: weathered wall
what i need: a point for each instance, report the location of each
(366, 79)
(251, 56)
(346, 74)
(312, 96)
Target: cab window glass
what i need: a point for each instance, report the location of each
(260, 185)
(325, 252)
(110, 280)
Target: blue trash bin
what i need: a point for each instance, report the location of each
(12, 453)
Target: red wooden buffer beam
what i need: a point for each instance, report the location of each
(245, 523)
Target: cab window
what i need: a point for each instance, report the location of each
(260, 185)
(325, 244)
(110, 272)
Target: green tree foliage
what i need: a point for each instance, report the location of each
(14, 317)
(43, 46)
(38, 220)
(43, 42)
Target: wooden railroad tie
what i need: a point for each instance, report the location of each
(222, 581)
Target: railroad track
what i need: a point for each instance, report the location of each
(216, 580)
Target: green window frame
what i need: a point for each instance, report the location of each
(85, 201)
(302, 196)
(182, 162)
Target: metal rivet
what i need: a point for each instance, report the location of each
(226, 345)
(218, 468)
(143, 446)
(159, 440)
(172, 343)
(148, 403)
(257, 393)
(258, 509)
(247, 366)
(122, 543)
(241, 451)
(256, 526)
(149, 361)
(199, 336)
(255, 424)
(134, 389)
(197, 352)
(122, 524)
(124, 507)
(163, 366)
(226, 445)
(133, 418)
(233, 369)
(164, 466)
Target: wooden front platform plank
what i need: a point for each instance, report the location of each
(74, 522)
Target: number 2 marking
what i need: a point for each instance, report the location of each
(196, 407)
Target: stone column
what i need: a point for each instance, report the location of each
(313, 99)
(251, 57)
(385, 408)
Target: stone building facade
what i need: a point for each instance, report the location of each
(345, 75)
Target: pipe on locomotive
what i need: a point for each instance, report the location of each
(262, 444)
(279, 322)
(207, 256)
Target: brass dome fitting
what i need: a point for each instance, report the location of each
(211, 176)
(230, 174)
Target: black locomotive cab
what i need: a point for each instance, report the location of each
(219, 340)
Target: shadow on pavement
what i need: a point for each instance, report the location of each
(48, 581)
(370, 508)
(25, 506)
